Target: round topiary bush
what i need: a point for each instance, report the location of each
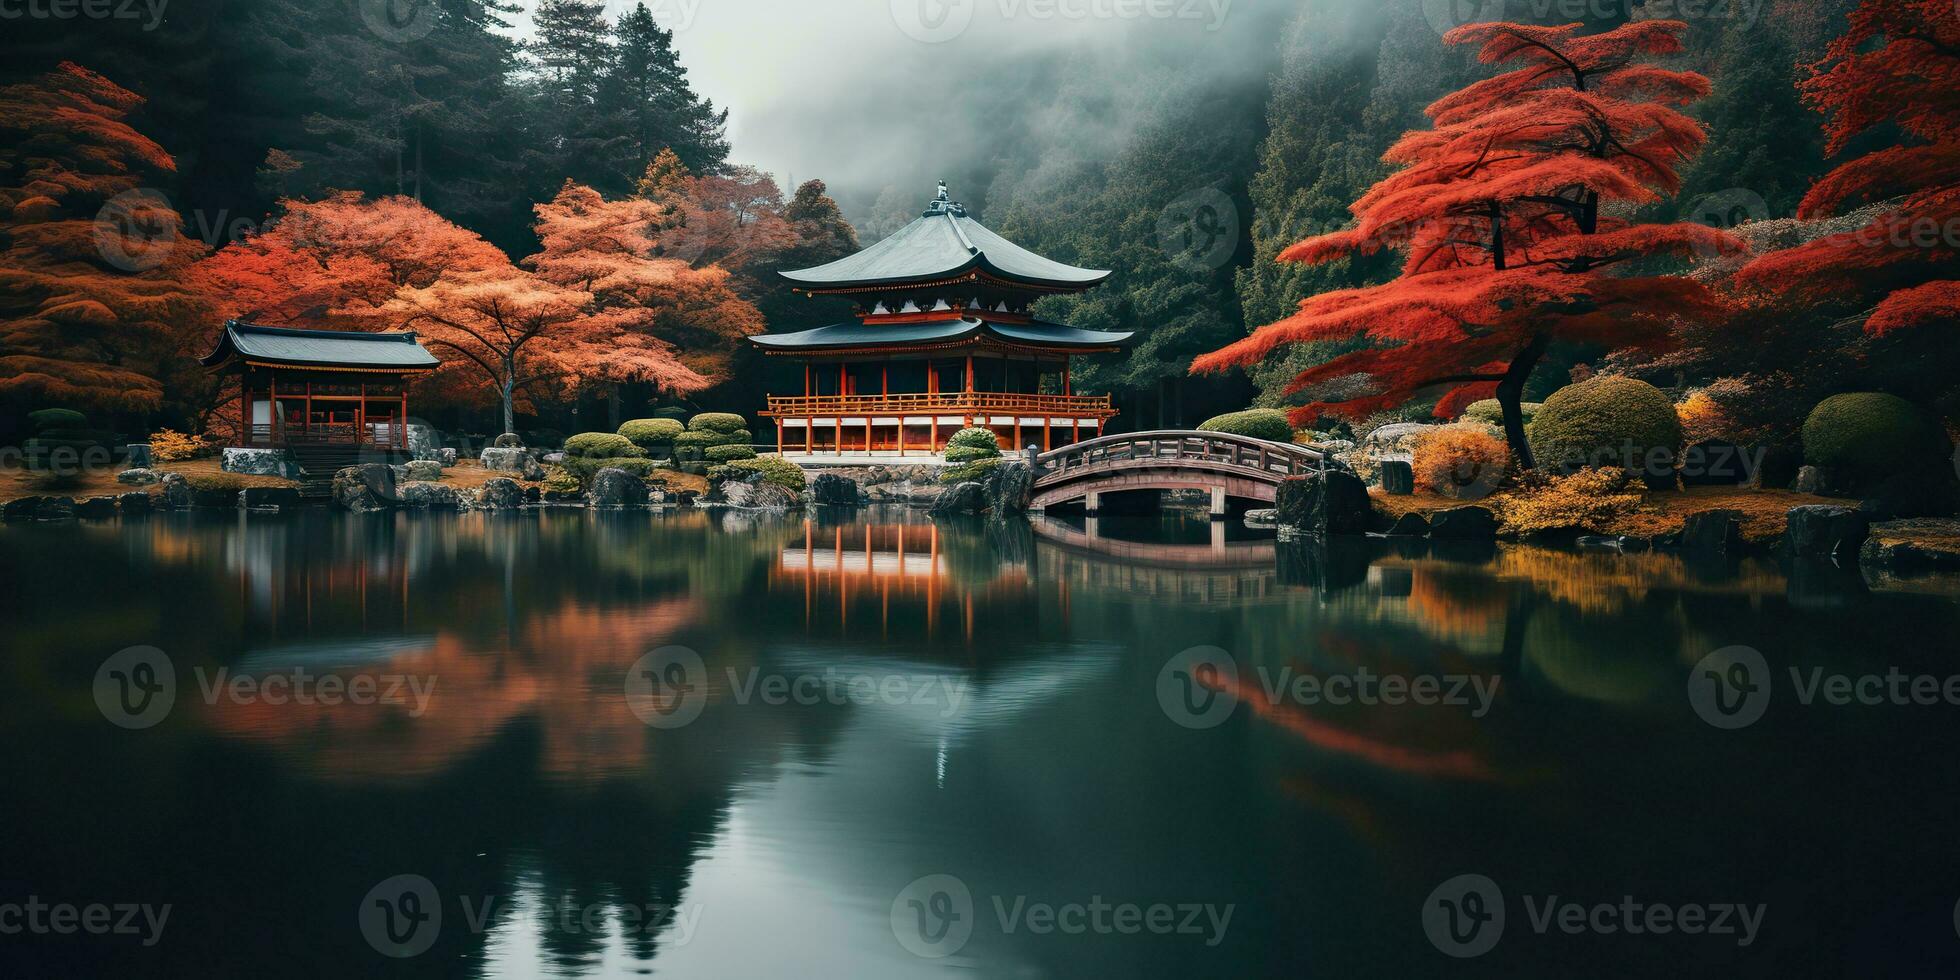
(967, 454)
(976, 437)
(57, 418)
(774, 469)
(601, 445)
(728, 454)
(718, 422)
(1489, 412)
(1609, 420)
(1866, 437)
(651, 433)
(1258, 423)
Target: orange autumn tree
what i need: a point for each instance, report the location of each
(93, 308)
(329, 263)
(651, 318)
(1509, 212)
(1897, 64)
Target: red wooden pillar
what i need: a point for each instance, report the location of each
(969, 378)
(1065, 385)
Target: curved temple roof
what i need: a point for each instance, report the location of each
(321, 348)
(941, 244)
(844, 335)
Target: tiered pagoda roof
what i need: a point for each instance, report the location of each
(945, 279)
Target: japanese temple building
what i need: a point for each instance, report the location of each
(320, 387)
(943, 340)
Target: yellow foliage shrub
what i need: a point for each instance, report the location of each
(167, 446)
(1589, 500)
(1462, 462)
(1702, 418)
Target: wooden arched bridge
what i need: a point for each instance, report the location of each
(1224, 464)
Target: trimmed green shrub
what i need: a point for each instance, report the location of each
(977, 437)
(1489, 412)
(584, 469)
(651, 433)
(1867, 436)
(967, 454)
(696, 440)
(718, 422)
(774, 469)
(57, 418)
(973, 472)
(1610, 420)
(728, 454)
(557, 480)
(674, 412)
(601, 445)
(1257, 423)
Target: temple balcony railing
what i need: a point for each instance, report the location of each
(277, 435)
(941, 403)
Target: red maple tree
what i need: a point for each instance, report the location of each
(1509, 212)
(1896, 64)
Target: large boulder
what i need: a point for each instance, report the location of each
(1009, 488)
(177, 491)
(20, 509)
(433, 496)
(1323, 505)
(424, 442)
(1825, 531)
(268, 498)
(365, 488)
(962, 498)
(55, 509)
(754, 495)
(138, 477)
(505, 459)
(500, 493)
(1712, 534)
(509, 440)
(422, 471)
(1923, 545)
(136, 502)
(96, 508)
(614, 489)
(261, 462)
(1463, 524)
(833, 490)
(1812, 480)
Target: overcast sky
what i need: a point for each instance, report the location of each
(859, 91)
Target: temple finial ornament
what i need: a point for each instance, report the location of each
(943, 203)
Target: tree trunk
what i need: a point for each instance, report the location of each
(509, 392)
(1510, 396)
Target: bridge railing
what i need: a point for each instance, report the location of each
(1270, 460)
